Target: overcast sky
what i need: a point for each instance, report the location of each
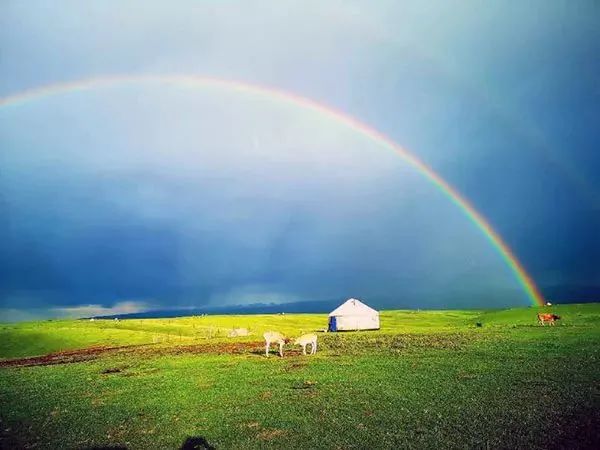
(148, 195)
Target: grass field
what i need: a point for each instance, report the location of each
(426, 379)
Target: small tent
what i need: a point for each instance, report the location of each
(353, 315)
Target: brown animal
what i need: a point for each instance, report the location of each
(547, 317)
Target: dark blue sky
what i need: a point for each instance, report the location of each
(129, 197)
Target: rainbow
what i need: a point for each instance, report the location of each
(452, 194)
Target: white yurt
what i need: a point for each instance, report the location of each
(353, 315)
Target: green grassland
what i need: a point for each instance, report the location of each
(426, 379)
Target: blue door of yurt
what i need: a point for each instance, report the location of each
(332, 324)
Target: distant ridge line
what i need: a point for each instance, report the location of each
(309, 307)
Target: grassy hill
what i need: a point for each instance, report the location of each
(427, 378)
(35, 338)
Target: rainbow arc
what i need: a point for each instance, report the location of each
(298, 101)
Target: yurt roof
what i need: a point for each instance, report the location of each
(353, 307)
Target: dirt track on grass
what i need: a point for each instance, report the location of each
(91, 353)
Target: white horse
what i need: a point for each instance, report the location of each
(306, 339)
(275, 338)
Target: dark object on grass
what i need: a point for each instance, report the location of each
(107, 447)
(478, 324)
(196, 443)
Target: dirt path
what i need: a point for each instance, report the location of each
(91, 353)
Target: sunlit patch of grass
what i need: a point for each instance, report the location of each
(37, 338)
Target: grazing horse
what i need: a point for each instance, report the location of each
(273, 337)
(547, 317)
(306, 339)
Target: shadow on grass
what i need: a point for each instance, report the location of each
(106, 447)
(287, 352)
(196, 443)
